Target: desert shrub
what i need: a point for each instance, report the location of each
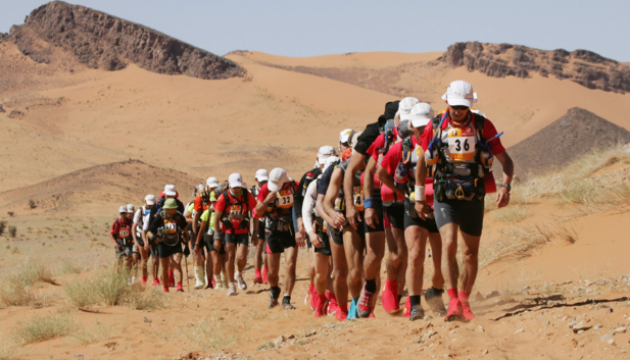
(31, 204)
(12, 231)
(510, 214)
(15, 288)
(68, 267)
(3, 226)
(98, 332)
(45, 327)
(108, 286)
(214, 333)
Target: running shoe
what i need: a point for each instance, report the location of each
(466, 312)
(166, 289)
(390, 296)
(416, 313)
(241, 282)
(180, 288)
(333, 306)
(364, 308)
(311, 287)
(171, 278)
(320, 305)
(352, 313)
(144, 280)
(273, 298)
(159, 282)
(341, 315)
(314, 299)
(155, 281)
(219, 283)
(258, 280)
(231, 290)
(286, 303)
(454, 311)
(224, 280)
(408, 306)
(434, 300)
(264, 275)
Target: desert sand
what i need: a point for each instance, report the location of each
(90, 140)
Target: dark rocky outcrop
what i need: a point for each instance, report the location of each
(500, 60)
(557, 145)
(99, 40)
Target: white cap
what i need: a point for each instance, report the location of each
(131, 208)
(262, 175)
(405, 105)
(122, 209)
(235, 180)
(420, 115)
(277, 178)
(149, 199)
(345, 136)
(212, 182)
(169, 190)
(329, 161)
(324, 152)
(460, 93)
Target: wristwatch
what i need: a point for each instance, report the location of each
(507, 186)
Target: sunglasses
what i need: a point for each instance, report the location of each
(460, 107)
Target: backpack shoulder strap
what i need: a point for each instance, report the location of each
(480, 122)
(407, 145)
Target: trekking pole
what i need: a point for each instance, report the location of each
(186, 264)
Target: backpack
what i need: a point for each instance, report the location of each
(245, 203)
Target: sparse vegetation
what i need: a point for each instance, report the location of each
(31, 204)
(510, 214)
(12, 231)
(108, 286)
(98, 333)
(45, 327)
(3, 225)
(214, 333)
(15, 289)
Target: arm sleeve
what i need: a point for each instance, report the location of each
(366, 138)
(220, 204)
(252, 204)
(308, 205)
(198, 206)
(155, 224)
(426, 137)
(114, 229)
(299, 195)
(391, 160)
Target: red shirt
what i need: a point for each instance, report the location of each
(235, 207)
(121, 229)
(199, 206)
(392, 159)
(283, 206)
(488, 132)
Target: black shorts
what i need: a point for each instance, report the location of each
(165, 251)
(412, 218)
(337, 235)
(261, 228)
(125, 247)
(277, 241)
(208, 243)
(377, 205)
(325, 249)
(140, 241)
(467, 214)
(237, 239)
(395, 216)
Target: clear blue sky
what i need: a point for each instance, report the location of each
(306, 28)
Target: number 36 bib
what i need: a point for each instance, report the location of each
(461, 144)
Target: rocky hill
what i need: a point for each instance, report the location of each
(499, 60)
(120, 182)
(555, 146)
(100, 40)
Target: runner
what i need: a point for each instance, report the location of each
(323, 153)
(121, 237)
(136, 230)
(232, 217)
(397, 172)
(348, 239)
(135, 254)
(275, 202)
(166, 230)
(460, 146)
(261, 178)
(205, 239)
(169, 192)
(202, 258)
(323, 293)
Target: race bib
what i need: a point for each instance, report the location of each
(170, 227)
(284, 199)
(123, 232)
(236, 210)
(461, 143)
(357, 195)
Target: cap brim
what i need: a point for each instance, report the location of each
(213, 185)
(420, 122)
(459, 102)
(262, 178)
(169, 193)
(273, 187)
(236, 184)
(149, 202)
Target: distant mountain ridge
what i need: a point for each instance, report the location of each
(500, 60)
(100, 40)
